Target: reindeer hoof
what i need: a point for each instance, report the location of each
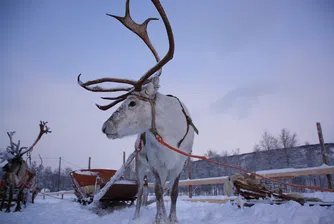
(17, 209)
(160, 221)
(135, 217)
(173, 220)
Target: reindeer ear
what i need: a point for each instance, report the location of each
(152, 88)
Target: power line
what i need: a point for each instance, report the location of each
(61, 159)
(71, 163)
(43, 158)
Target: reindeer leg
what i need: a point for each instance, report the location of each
(161, 216)
(25, 198)
(10, 198)
(173, 197)
(3, 198)
(33, 197)
(139, 200)
(18, 201)
(145, 196)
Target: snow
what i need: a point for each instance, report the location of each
(130, 182)
(67, 211)
(88, 173)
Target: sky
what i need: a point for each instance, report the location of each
(241, 68)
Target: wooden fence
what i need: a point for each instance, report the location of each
(278, 173)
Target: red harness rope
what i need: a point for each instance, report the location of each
(159, 139)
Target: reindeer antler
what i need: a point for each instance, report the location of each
(14, 148)
(10, 135)
(141, 31)
(44, 129)
(40, 165)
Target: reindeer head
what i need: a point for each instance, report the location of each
(14, 153)
(135, 115)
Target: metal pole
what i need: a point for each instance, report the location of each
(323, 151)
(89, 160)
(59, 174)
(123, 157)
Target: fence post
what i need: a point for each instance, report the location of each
(190, 187)
(323, 151)
(59, 174)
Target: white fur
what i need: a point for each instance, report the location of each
(171, 125)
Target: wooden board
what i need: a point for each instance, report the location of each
(283, 173)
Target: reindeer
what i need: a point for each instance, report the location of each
(17, 173)
(32, 185)
(145, 110)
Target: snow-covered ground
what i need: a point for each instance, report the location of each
(66, 211)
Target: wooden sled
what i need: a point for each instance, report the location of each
(251, 191)
(87, 183)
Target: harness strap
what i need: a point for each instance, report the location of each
(159, 139)
(154, 128)
(141, 141)
(188, 119)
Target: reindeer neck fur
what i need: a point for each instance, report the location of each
(18, 172)
(171, 125)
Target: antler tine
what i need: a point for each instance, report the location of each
(10, 135)
(41, 160)
(22, 148)
(86, 85)
(108, 106)
(139, 29)
(17, 150)
(117, 97)
(170, 52)
(44, 129)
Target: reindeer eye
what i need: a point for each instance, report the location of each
(132, 104)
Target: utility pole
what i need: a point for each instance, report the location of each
(89, 160)
(123, 157)
(323, 152)
(59, 174)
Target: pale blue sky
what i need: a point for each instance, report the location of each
(241, 67)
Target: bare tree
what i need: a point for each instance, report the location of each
(256, 148)
(224, 153)
(236, 151)
(268, 142)
(286, 139)
(211, 153)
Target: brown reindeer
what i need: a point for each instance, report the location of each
(17, 175)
